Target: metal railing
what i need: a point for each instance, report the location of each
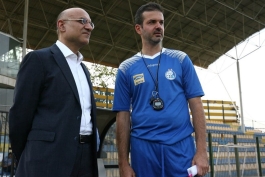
(253, 162)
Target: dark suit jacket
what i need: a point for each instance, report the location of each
(44, 121)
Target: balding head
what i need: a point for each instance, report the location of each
(68, 13)
(74, 28)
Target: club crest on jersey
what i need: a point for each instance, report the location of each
(138, 79)
(170, 74)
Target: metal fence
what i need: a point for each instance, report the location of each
(231, 152)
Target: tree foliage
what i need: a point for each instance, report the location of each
(102, 76)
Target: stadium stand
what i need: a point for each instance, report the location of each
(222, 123)
(231, 152)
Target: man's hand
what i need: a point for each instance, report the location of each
(201, 161)
(126, 171)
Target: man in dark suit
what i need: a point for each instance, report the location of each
(52, 122)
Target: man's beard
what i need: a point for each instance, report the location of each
(155, 41)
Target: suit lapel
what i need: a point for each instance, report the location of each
(62, 63)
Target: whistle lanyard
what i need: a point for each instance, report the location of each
(155, 81)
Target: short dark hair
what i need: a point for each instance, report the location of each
(151, 6)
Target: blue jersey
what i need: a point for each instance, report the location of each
(177, 82)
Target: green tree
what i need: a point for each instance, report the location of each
(102, 76)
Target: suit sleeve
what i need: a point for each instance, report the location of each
(26, 97)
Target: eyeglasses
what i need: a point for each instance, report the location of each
(83, 21)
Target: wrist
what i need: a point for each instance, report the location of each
(123, 163)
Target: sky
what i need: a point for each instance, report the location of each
(220, 79)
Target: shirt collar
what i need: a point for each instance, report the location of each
(67, 52)
(139, 54)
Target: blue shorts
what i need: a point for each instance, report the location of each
(150, 159)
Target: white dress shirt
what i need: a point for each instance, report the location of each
(74, 62)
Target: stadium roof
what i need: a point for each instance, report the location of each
(204, 29)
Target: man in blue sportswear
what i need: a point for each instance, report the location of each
(153, 92)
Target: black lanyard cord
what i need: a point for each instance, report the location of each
(155, 81)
